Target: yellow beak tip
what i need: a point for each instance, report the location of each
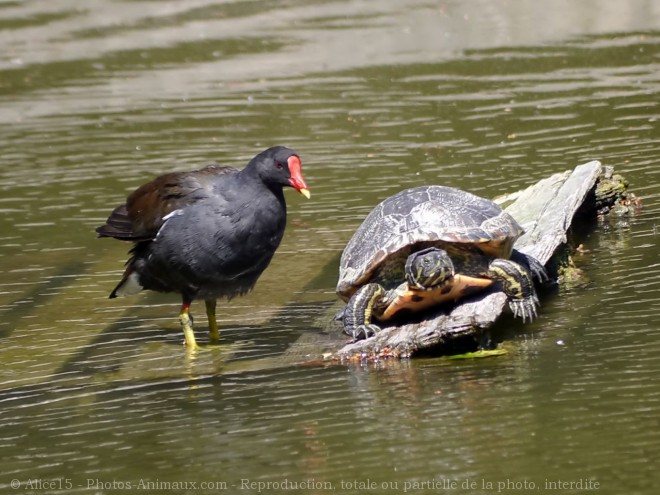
(305, 192)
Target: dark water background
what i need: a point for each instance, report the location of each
(97, 97)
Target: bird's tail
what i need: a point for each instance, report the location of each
(129, 284)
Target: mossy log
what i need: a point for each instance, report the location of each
(546, 210)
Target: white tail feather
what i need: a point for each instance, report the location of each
(130, 287)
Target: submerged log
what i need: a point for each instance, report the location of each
(546, 211)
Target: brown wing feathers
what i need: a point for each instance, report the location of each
(142, 215)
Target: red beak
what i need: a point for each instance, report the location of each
(296, 180)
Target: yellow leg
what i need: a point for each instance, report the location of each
(214, 332)
(187, 326)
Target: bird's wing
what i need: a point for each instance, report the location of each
(140, 218)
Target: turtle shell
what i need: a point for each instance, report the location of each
(422, 214)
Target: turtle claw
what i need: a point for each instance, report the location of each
(525, 308)
(361, 332)
(532, 264)
(538, 270)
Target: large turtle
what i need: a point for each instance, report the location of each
(427, 245)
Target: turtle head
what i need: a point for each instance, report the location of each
(428, 268)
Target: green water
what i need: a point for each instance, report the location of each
(98, 395)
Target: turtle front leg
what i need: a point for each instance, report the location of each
(359, 312)
(516, 282)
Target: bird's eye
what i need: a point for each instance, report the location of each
(279, 165)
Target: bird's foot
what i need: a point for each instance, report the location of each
(214, 335)
(188, 333)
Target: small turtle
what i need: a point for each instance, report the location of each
(428, 245)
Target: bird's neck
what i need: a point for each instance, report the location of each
(250, 175)
(248, 182)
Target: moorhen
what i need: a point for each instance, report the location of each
(206, 234)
